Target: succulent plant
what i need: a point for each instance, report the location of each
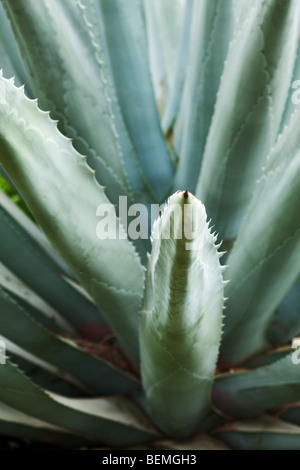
(185, 341)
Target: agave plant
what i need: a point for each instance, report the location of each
(193, 103)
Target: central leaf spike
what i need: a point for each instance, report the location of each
(181, 318)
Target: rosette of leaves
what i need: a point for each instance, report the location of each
(169, 100)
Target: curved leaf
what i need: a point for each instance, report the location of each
(286, 146)
(264, 262)
(16, 424)
(62, 353)
(250, 393)
(10, 59)
(22, 253)
(265, 433)
(292, 101)
(8, 205)
(177, 86)
(268, 358)
(44, 374)
(52, 32)
(164, 26)
(87, 51)
(111, 421)
(211, 33)
(91, 14)
(291, 413)
(286, 321)
(38, 308)
(126, 42)
(200, 442)
(250, 103)
(40, 161)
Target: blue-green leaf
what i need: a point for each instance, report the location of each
(264, 262)
(76, 89)
(25, 253)
(176, 90)
(126, 42)
(40, 161)
(10, 59)
(14, 423)
(199, 442)
(164, 21)
(250, 103)
(44, 374)
(250, 393)
(293, 99)
(63, 353)
(211, 33)
(111, 421)
(265, 433)
(286, 321)
(291, 413)
(268, 358)
(181, 317)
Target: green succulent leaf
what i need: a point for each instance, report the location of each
(87, 117)
(10, 59)
(211, 33)
(7, 203)
(126, 43)
(13, 423)
(180, 327)
(291, 413)
(23, 246)
(268, 358)
(199, 442)
(164, 26)
(44, 374)
(264, 262)
(247, 117)
(212, 419)
(220, 78)
(265, 433)
(293, 98)
(111, 421)
(250, 393)
(286, 321)
(37, 307)
(63, 353)
(109, 269)
(177, 86)
(286, 146)
(241, 9)
(92, 15)
(102, 52)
